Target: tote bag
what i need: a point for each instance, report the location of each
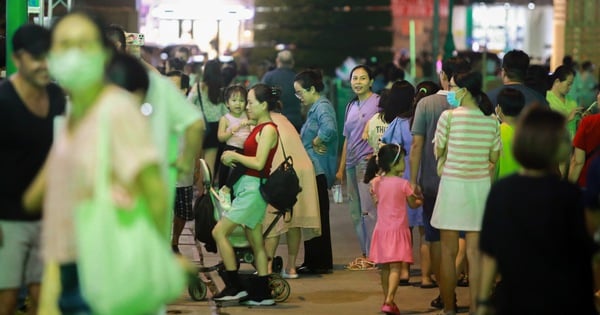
(125, 265)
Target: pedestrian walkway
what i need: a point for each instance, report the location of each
(342, 292)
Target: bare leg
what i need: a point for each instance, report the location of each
(449, 249)
(394, 280)
(8, 301)
(461, 257)
(404, 266)
(385, 280)
(294, 235)
(271, 244)
(474, 257)
(255, 238)
(435, 252)
(34, 295)
(425, 258)
(178, 225)
(210, 156)
(220, 232)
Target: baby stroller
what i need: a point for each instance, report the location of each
(280, 288)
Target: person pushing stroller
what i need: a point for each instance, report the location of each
(248, 207)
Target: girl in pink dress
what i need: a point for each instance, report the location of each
(391, 240)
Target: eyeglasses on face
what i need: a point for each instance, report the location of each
(300, 93)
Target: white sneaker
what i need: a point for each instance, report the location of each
(224, 199)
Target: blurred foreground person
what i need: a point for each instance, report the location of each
(28, 105)
(542, 231)
(172, 118)
(78, 57)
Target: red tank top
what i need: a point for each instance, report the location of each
(250, 147)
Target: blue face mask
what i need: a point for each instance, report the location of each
(452, 100)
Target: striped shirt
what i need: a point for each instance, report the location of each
(470, 139)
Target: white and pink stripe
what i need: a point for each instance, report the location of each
(473, 136)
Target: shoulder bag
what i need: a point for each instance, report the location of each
(281, 188)
(125, 265)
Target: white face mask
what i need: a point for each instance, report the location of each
(75, 69)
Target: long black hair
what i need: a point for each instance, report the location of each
(213, 78)
(472, 81)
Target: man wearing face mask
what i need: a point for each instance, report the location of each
(28, 105)
(427, 113)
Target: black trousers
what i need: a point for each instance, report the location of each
(317, 251)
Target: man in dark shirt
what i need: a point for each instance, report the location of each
(283, 77)
(514, 69)
(28, 105)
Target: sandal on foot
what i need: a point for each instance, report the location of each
(361, 264)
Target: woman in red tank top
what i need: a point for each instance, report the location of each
(248, 207)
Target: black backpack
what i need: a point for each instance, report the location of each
(205, 221)
(282, 187)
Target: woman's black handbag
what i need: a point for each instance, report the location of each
(282, 187)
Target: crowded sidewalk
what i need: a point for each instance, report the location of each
(341, 292)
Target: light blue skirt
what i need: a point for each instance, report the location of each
(248, 207)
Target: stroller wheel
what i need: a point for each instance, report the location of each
(280, 288)
(277, 264)
(197, 291)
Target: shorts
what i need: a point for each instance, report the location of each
(20, 254)
(415, 216)
(431, 233)
(184, 208)
(211, 140)
(248, 208)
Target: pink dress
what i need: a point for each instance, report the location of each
(391, 241)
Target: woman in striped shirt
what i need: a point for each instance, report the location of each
(469, 136)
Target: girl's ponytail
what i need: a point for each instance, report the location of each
(372, 169)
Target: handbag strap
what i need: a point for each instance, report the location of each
(285, 156)
(102, 174)
(199, 95)
(448, 127)
(592, 153)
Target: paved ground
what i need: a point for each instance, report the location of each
(342, 292)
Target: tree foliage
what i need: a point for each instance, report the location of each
(322, 33)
